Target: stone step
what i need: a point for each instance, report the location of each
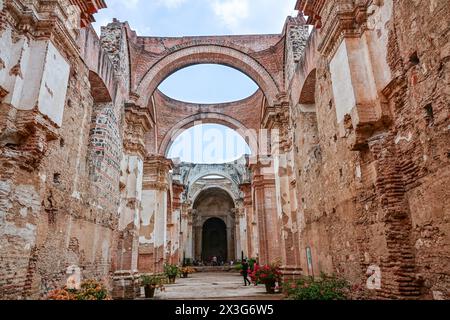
(216, 269)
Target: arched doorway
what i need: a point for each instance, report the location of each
(214, 240)
(214, 226)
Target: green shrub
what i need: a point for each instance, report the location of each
(324, 288)
(251, 263)
(171, 270)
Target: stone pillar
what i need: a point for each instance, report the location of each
(197, 235)
(175, 229)
(251, 221)
(231, 240)
(265, 208)
(279, 122)
(153, 235)
(126, 275)
(187, 231)
(241, 230)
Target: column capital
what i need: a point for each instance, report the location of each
(177, 190)
(137, 123)
(156, 173)
(338, 19)
(238, 212)
(276, 116)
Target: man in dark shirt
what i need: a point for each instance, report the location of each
(245, 267)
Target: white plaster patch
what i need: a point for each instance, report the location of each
(43, 178)
(76, 195)
(105, 250)
(28, 197)
(24, 212)
(144, 240)
(45, 79)
(358, 172)
(27, 234)
(433, 5)
(438, 295)
(5, 203)
(399, 138)
(343, 92)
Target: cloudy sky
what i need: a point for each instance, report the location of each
(199, 17)
(203, 83)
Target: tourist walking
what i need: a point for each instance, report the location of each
(245, 268)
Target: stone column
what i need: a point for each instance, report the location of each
(197, 235)
(279, 123)
(251, 222)
(187, 231)
(175, 229)
(265, 208)
(241, 230)
(153, 235)
(126, 276)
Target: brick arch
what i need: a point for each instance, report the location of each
(213, 188)
(308, 91)
(99, 92)
(306, 74)
(102, 75)
(209, 118)
(188, 55)
(214, 172)
(195, 196)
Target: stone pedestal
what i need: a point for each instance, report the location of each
(126, 285)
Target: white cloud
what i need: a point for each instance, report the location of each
(252, 16)
(171, 4)
(131, 4)
(231, 12)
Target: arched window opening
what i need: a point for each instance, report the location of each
(208, 84)
(209, 143)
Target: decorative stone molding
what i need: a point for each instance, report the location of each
(156, 173)
(312, 9)
(138, 123)
(88, 9)
(177, 189)
(55, 20)
(278, 118)
(338, 19)
(31, 133)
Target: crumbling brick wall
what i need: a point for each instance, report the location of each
(382, 203)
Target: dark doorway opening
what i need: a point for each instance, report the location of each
(214, 240)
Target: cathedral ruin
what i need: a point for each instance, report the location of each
(349, 138)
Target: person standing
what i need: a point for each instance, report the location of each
(245, 268)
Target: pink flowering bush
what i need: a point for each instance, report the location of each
(267, 274)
